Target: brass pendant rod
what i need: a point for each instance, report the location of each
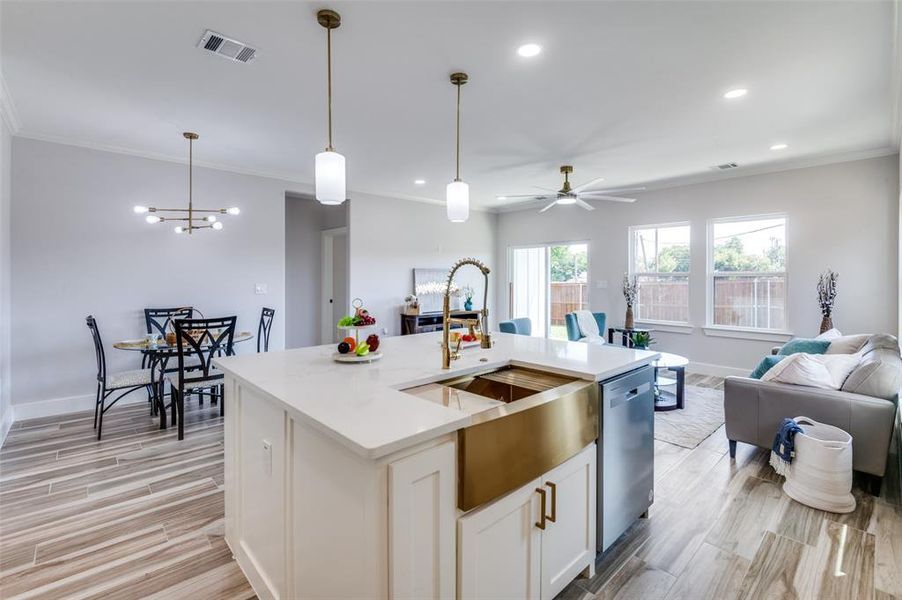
(329, 79)
(457, 172)
(190, 182)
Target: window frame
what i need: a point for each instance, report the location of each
(687, 274)
(711, 274)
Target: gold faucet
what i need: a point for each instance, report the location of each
(473, 324)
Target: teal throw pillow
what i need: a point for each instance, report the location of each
(808, 346)
(764, 366)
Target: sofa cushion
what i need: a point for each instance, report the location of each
(814, 370)
(808, 346)
(848, 344)
(829, 335)
(879, 374)
(764, 366)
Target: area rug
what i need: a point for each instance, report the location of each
(702, 415)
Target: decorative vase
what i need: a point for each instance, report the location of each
(468, 304)
(826, 324)
(628, 322)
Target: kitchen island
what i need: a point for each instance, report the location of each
(342, 479)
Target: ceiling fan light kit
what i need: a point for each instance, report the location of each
(457, 194)
(209, 221)
(330, 173)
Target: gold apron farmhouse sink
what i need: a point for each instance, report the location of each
(524, 423)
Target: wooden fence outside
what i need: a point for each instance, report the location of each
(566, 298)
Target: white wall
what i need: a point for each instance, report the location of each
(305, 219)
(389, 238)
(78, 249)
(5, 266)
(843, 216)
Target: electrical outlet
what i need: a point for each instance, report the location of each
(267, 457)
(261, 289)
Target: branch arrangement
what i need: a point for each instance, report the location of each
(630, 290)
(826, 291)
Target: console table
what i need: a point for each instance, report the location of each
(625, 334)
(433, 321)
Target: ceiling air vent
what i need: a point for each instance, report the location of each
(226, 47)
(725, 166)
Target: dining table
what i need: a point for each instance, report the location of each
(159, 352)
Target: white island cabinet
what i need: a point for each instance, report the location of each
(338, 484)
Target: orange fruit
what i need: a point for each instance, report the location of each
(350, 342)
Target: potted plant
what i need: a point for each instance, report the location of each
(468, 297)
(411, 305)
(630, 293)
(826, 297)
(641, 339)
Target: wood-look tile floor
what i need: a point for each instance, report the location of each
(140, 515)
(137, 515)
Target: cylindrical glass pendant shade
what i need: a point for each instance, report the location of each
(330, 178)
(458, 201)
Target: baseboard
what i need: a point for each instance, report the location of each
(5, 424)
(67, 405)
(716, 370)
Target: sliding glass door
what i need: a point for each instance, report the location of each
(546, 283)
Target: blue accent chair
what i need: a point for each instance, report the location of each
(573, 332)
(522, 326)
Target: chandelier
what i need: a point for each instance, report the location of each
(209, 221)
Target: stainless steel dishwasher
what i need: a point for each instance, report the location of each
(626, 452)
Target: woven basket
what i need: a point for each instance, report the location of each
(820, 475)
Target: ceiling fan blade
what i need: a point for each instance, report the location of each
(606, 197)
(534, 196)
(585, 205)
(549, 206)
(614, 190)
(587, 184)
(538, 187)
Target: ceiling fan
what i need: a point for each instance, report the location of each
(579, 194)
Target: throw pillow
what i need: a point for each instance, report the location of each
(764, 366)
(815, 370)
(829, 335)
(808, 346)
(848, 344)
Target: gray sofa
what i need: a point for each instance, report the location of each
(865, 407)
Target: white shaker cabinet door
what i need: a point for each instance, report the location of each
(499, 548)
(568, 543)
(422, 513)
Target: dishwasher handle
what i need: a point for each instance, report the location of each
(618, 397)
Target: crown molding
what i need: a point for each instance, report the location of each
(762, 169)
(8, 108)
(300, 186)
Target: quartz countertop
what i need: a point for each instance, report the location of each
(361, 405)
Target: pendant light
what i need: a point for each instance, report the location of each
(330, 165)
(209, 221)
(457, 194)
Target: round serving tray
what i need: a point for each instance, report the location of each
(353, 358)
(347, 327)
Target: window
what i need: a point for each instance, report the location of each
(659, 259)
(547, 282)
(747, 262)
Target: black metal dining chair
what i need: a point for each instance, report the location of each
(263, 329)
(158, 320)
(201, 340)
(109, 383)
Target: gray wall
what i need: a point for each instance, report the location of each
(843, 216)
(5, 266)
(79, 249)
(305, 219)
(389, 238)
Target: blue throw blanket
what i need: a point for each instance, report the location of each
(784, 445)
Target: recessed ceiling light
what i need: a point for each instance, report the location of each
(737, 93)
(779, 147)
(502, 197)
(419, 181)
(529, 50)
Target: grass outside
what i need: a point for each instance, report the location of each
(558, 332)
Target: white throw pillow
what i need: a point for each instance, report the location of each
(830, 335)
(848, 344)
(815, 370)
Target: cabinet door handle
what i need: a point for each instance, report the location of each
(553, 487)
(541, 524)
